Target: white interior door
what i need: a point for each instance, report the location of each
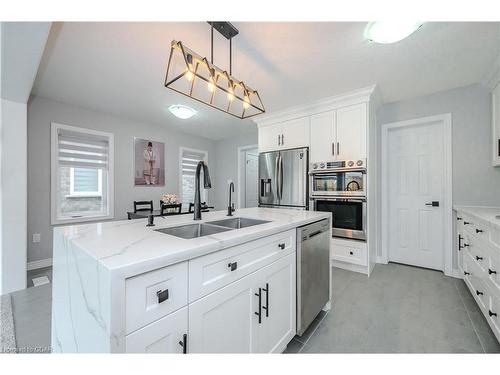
(251, 179)
(415, 175)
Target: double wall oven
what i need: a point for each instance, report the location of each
(339, 187)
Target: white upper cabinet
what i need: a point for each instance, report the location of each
(350, 130)
(495, 96)
(322, 137)
(284, 135)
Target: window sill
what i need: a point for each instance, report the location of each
(81, 219)
(70, 196)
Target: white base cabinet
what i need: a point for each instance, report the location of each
(241, 300)
(255, 314)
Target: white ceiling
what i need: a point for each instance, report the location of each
(119, 68)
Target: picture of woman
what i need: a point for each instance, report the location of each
(149, 163)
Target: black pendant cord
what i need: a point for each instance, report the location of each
(212, 45)
(230, 56)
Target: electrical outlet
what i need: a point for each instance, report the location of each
(36, 237)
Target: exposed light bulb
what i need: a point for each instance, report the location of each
(189, 75)
(230, 94)
(189, 72)
(210, 85)
(246, 102)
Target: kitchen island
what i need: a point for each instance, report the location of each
(124, 287)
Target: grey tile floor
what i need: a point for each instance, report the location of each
(399, 309)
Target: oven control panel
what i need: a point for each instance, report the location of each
(342, 164)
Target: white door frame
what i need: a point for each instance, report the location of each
(445, 119)
(239, 189)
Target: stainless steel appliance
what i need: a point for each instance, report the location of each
(283, 178)
(313, 272)
(339, 178)
(348, 215)
(339, 187)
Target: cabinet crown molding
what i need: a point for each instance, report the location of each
(330, 103)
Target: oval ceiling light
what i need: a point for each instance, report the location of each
(390, 32)
(181, 111)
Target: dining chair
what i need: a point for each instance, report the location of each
(143, 206)
(164, 207)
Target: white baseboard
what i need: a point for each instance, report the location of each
(381, 260)
(349, 266)
(42, 263)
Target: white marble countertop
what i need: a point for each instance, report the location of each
(487, 214)
(128, 247)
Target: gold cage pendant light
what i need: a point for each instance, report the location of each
(194, 76)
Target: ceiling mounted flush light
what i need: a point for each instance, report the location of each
(194, 76)
(390, 32)
(181, 111)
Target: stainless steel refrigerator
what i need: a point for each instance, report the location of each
(283, 178)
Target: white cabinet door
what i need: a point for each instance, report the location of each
(163, 336)
(270, 138)
(295, 133)
(351, 132)
(495, 96)
(322, 137)
(278, 288)
(225, 320)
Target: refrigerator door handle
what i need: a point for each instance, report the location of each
(276, 177)
(281, 177)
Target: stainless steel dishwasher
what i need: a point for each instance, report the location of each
(313, 271)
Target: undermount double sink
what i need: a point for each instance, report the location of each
(189, 231)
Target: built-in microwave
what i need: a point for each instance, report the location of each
(348, 215)
(341, 178)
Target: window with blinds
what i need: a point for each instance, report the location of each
(189, 161)
(82, 174)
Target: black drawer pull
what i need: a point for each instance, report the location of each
(490, 271)
(466, 273)
(460, 247)
(479, 231)
(281, 246)
(351, 253)
(479, 293)
(162, 295)
(233, 266)
(459, 218)
(266, 289)
(466, 223)
(183, 343)
(479, 258)
(491, 313)
(466, 245)
(259, 313)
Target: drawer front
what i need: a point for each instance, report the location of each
(349, 254)
(476, 250)
(473, 279)
(211, 272)
(493, 269)
(493, 314)
(155, 294)
(162, 336)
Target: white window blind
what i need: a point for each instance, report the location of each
(82, 174)
(189, 162)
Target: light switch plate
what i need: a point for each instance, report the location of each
(36, 237)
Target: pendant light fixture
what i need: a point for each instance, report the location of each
(194, 76)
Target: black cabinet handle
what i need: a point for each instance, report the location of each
(479, 231)
(490, 271)
(466, 223)
(162, 295)
(183, 343)
(459, 218)
(259, 313)
(266, 289)
(479, 258)
(282, 139)
(479, 293)
(433, 204)
(460, 247)
(279, 139)
(233, 266)
(466, 273)
(351, 253)
(281, 246)
(491, 313)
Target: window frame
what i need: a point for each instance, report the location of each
(204, 193)
(54, 177)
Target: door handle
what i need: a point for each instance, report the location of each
(266, 289)
(233, 266)
(162, 295)
(183, 343)
(259, 313)
(280, 177)
(276, 176)
(433, 204)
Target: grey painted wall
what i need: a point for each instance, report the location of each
(475, 181)
(226, 160)
(41, 112)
